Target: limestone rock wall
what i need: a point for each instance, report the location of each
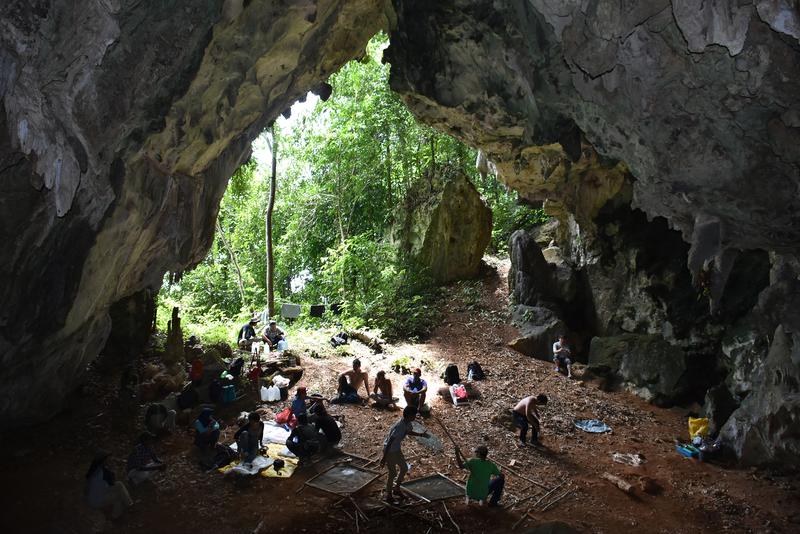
(447, 227)
(120, 124)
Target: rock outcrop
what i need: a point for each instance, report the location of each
(120, 125)
(446, 227)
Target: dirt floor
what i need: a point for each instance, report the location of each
(43, 467)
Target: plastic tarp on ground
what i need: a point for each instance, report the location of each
(263, 463)
(592, 425)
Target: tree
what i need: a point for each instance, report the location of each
(270, 209)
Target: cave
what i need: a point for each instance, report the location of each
(677, 121)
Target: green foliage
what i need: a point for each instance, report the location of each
(344, 171)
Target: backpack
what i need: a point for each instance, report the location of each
(451, 375)
(475, 372)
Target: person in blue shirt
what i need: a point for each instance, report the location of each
(299, 407)
(415, 389)
(206, 429)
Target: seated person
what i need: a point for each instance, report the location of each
(102, 490)
(274, 337)
(196, 371)
(382, 392)
(299, 408)
(305, 441)
(349, 383)
(206, 429)
(325, 423)
(561, 355)
(480, 482)
(249, 437)
(247, 333)
(143, 462)
(415, 390)
(158, 420)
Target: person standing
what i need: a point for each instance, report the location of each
(526, 415)
(480, 482)
(393, 452)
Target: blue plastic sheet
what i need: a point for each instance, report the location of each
(592, 425)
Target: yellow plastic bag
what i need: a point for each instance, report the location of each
(698, 427)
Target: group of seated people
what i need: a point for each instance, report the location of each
(271, 335)
(415, 388)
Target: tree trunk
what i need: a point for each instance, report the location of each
(389, 173)
(270, 207)
(235, 262)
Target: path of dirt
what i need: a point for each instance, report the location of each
(43, 467)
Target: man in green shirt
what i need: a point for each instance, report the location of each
(480, 483)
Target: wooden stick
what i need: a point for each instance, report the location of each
(555, 501)
(352, 500)
(418, 516)
(524, 477)
(446, 432)
(458, 529)
(618, 482)
(543, 497)
(259, 526)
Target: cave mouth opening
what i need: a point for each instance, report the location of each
(352, 164)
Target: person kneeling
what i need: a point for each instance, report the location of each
(480, 483)
(143, 462)
(305, 441)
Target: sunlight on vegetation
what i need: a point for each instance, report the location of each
(345, 170)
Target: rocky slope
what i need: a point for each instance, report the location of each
(121, 121)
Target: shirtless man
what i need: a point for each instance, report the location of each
(349, 384)
(526, 414)
(382, 393)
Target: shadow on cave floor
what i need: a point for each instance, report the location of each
(43, 467)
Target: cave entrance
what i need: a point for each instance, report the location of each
(360, 183)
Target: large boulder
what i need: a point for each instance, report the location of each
(764, 428)
(449, 230)
(530, 278)
(645, 364)
(538, 328)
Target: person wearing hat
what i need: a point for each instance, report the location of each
(103, 490)
(143, 462)
(247, 333)
(415, 390)
(480, 482)
(274, 337)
